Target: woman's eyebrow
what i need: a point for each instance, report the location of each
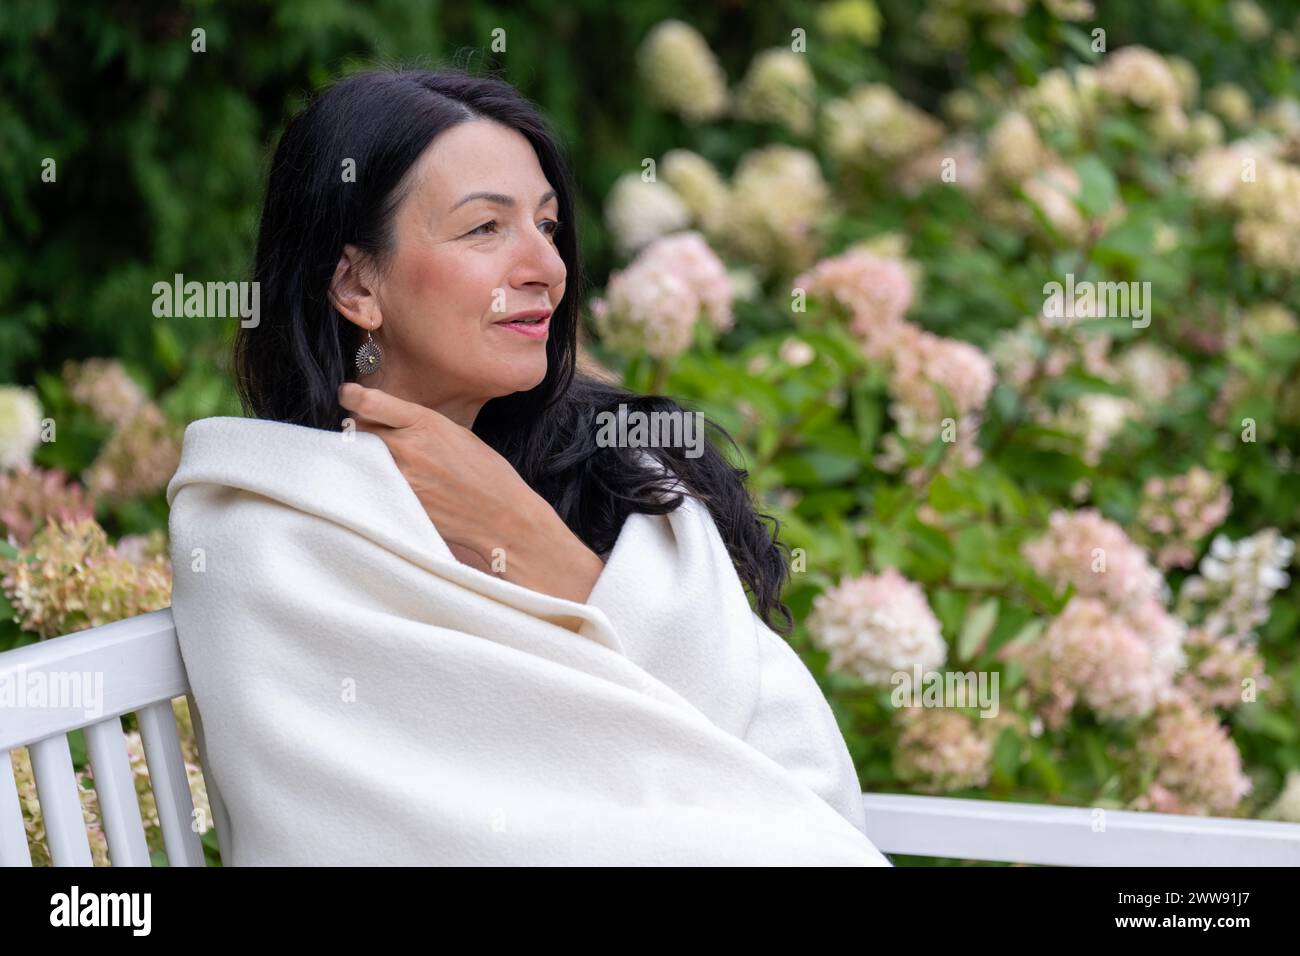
(500, 199)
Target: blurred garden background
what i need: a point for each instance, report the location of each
(861, 204)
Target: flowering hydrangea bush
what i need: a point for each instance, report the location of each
(1018, 378)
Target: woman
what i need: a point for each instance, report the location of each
(420, 281)
(419, 258)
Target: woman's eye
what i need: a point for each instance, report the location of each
(491, 225)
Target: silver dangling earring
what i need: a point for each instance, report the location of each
(369, 356)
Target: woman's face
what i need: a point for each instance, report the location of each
(461, 264)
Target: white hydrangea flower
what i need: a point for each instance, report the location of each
(1236, 583)
(681, 72)
(779, 87)
(699, 185)
(20, 425)
(876, 625)
(638, 212)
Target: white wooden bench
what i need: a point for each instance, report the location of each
(142, 669)
(143, 672)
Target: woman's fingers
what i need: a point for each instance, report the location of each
(378, 406)
(361, 424)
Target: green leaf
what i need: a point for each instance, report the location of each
(1043, 766)
(850, 563)
(168, 347)
(976, 630)
(1026, 635)
(1098, 187)
(1079, 42)
(866, 418)
(1126, 245)
(1006, 758)
(817, 466)
(931, 552)
(944, 496)
(1280, 350)
(1268, 722)
(1096, 755)
(975, 561)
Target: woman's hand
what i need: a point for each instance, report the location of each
(461, 481)
(474, 497)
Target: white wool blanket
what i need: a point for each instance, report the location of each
(365, 698)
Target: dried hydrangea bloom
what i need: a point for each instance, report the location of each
(138, 459)
(941, 750)
(30, 496)
(69, 578)
(104, 385)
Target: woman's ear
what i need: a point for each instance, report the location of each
(351, 291)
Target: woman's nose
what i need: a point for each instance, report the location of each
(540, 261)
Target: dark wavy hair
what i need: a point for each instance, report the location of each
(289, 367)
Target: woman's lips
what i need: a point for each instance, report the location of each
(535, 330)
